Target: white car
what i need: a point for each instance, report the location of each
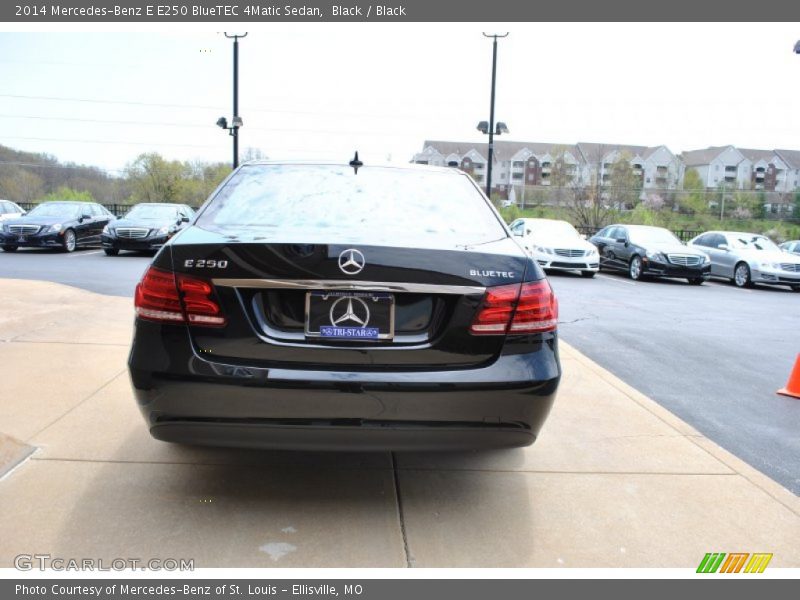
(557, 245)
(9, 210)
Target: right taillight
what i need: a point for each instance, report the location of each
(166, 298)
(517, 308)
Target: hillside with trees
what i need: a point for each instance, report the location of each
(34, 177)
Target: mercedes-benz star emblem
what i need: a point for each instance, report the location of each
(351, 261)
(349, 308)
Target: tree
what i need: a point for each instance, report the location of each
(155, 179)
(65, 193)
(21, 186)
(693, 199)
(251, 153)
(624, 181)
(588, 204)
(563, 176)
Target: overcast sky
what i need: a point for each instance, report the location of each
(325, 90)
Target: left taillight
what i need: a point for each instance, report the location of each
(530, 307)
(165, 297)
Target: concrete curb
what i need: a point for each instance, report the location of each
(770, 487)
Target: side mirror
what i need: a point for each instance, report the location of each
(621, 241)
(184, 220)
(583, 236)
(84, 217)
(723, 247)
(517, 233)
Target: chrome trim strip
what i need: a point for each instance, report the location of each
(336, 284)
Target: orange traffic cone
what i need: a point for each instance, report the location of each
(793, 387)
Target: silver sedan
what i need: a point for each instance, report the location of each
(748, 258)
(793, 247)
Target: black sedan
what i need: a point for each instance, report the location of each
(65, 225)
(343, 306)
(641, 251)
(146, 226)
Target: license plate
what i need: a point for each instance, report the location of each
(357, 316)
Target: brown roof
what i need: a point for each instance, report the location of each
(695, 158)
(790, 157)
(756, 155)
(503, 150)
(593, 152)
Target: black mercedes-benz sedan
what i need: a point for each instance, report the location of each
(146, 226)
(61, 224)
(642, 251)
(345, 306)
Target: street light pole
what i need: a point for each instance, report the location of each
(491, 113)
(234, 130)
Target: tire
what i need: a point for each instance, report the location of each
(696, 280)
(635, 268)
(111, 251)
(741, 275)
(10, 248)
(69, 242)
(796, 288)
(588, 274)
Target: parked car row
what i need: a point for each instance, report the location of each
(646, 251)
(68, 225)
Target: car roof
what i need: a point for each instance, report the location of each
(541, 220)
(630, 226)
(67, 202)
(742, 233)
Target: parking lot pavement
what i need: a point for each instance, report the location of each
(714, 355)
(614, 480)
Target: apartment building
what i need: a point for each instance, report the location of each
(774, 172)
(657, 166)
(538, 164)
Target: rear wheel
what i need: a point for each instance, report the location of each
(69, 242)
(588, 274)
(696, 280)
(111, 251)
(635, 268)
(796, 288)
(10, 248)
(741, 276)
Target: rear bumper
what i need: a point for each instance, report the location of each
(186, 398)
(366, 437)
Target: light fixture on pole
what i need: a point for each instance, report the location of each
(489, 128)
(236, 121)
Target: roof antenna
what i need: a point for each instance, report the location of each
(355, 163)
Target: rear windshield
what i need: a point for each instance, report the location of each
(375, 205)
